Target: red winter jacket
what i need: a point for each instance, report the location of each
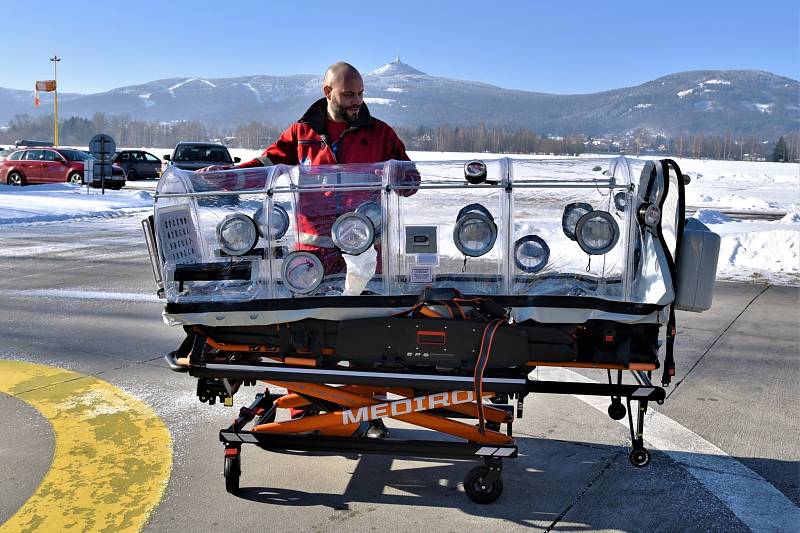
(366, 140)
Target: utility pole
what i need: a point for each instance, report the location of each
(55, 60)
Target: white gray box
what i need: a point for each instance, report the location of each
(697, 267)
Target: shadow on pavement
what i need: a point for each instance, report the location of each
(550, 484)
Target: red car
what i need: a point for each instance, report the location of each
(32, 165)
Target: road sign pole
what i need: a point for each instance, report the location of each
(102, 148)
(103, 167)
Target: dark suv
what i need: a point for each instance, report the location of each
(138, 164)
(197, 155)
(51, 165)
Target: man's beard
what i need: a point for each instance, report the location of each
(343, 114)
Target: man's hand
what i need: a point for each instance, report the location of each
(411, 176)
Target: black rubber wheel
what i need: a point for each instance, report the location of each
(16, 179)
(75, 178)
(132, 175)
(639, 457)
(476, 488)
(233, 469)
(617, 411)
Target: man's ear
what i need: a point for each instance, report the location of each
(327, 89)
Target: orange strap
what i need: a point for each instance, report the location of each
(480, 365)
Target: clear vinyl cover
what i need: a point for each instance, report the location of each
(384, 232)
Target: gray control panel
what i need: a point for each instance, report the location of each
(420, 239)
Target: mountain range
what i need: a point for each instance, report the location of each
(742, 102)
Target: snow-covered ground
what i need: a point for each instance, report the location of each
(64, 201)
(750, 249)
(758, 250)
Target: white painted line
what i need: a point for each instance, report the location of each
(750, 497)
(81, 295)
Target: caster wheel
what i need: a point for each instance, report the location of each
(477, 489)
(617, 411)
(639, 457)
(233, 469)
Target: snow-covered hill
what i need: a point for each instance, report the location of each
(736, 101)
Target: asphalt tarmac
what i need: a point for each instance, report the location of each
(80, 296)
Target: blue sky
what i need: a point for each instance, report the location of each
(556, 47)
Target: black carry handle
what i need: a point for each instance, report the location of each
(429, 294)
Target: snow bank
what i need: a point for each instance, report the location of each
(741, 185)
(771, 255)
(64, 201)
(792, 215)
(733, 202)
(709, 216)
(380, 101)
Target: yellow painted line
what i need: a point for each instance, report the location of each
(112, 459)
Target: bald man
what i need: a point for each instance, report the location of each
(335, 129)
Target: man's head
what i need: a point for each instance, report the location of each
(344, 89)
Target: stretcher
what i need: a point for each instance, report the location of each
(425, 292)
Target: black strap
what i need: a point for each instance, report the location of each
(669, 358)
(492, 308)
(185, 349)
(198, 346)
(315, 340)
(284, 339)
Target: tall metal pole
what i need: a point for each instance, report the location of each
(55, 60)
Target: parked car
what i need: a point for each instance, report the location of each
(138, 164)
(24, 143)
(197, 155)
(52, 165)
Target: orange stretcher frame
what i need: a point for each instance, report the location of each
(359, 405)
(359, 397)
(362, 401)
(337, 417)
(307, 361)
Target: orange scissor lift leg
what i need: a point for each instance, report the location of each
(349, 406)
(358, 408)
(335, 413)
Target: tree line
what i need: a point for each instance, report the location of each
(719, 146)
(76, 131)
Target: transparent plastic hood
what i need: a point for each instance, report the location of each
(553, 232)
